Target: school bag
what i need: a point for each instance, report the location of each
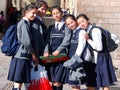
(10, 43)
(109, 44)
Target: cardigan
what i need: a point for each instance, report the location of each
(25, 39)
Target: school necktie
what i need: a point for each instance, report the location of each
(57, 26)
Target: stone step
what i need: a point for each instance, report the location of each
(116, 86)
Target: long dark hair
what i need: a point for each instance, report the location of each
(28, 8)
(69, 16)
(82, 15)
(56, 7)
(40, 4)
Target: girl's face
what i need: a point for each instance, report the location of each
(71, 23)
(82, 22)
(42, 11)
(31, 14)
(57, 15)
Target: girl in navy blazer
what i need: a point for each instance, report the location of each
(39, 29)
(58, 42)
(77, 74)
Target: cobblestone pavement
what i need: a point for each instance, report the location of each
(4, 66)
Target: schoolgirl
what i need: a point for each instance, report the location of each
(39, 29)
(77, 75)
(19, 71)
(104, 67)
(59, 40)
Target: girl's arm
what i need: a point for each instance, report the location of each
(46, 50)
(26, 38)
(81, 43)
(96, 42)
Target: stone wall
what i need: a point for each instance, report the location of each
(104, 13)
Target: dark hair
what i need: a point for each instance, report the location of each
(56, 7)
(82, 15)
(41, 3)
(28, 8)
(69, 16)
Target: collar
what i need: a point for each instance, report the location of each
(89, 27)
(39, 18)
(26, 20)
(60, 24)
(76, 29)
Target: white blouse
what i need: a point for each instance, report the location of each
(96, 42)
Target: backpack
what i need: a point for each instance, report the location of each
(10, 43)
(109, 44)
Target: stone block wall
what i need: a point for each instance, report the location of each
(105, 13)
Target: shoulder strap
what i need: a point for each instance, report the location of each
(93, 26)
(77, 34)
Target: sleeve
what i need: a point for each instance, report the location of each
(25, 38)
(48, 39)
(96, 42)
(81, 43)
(66, 40)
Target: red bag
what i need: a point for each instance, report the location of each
(33, 85)
(45, 84)
(41, 84)
(39, 79)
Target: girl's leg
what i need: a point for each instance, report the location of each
(106, 88)
(90, 88)
(57, 86)
(75, 87)
(17, 86)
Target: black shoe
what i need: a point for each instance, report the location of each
(16, 89)
(58, 87)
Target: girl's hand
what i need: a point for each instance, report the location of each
(46, 54)
(35, 60)
(55, 53)
(86, 36)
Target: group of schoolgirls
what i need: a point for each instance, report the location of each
(36, 40)
(70, 35)
(98, 69)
